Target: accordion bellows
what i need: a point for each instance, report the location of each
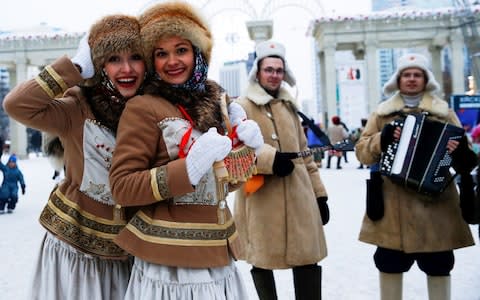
(420, 160)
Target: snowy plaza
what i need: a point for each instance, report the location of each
(348, 270)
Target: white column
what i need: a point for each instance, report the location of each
(436, 54)
(374, 93)
(329, 81)
(458, 74)
(323, 90)
(18, 131)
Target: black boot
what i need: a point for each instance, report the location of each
(308, 282)
(329, 159)
(339, 161)
(264, 283)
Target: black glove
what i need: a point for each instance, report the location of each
(464, 160)
(375, 205)
(55, 174)
(282, 163)
(324, 211)
(467, 199)
(386, 137)
(23, 189)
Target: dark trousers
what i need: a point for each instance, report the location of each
(307, 281)
(10, 203)
(339, 160)
(432, 263)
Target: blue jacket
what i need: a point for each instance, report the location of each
(11, 178)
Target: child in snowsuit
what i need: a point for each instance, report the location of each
(12, 176)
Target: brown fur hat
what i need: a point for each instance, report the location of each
(174, 19)
(113, 34)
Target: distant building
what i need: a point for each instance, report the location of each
(387, 57)
(4, 89)
(233, 77)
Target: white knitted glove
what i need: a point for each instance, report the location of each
(83, 58)
(236, 113)
(249, 133)
(207, 149)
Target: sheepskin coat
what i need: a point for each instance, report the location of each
(412, 222)
(280, 224)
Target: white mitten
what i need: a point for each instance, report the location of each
(83, 58)
(249, 133)
(207, 149)
(236, 113)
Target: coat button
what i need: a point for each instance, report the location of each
(269, 114)
(274, 136)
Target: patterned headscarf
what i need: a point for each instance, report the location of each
(197, 81)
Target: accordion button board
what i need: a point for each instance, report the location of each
(419, 160)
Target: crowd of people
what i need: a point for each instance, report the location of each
(147, 144)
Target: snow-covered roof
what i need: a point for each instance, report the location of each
(37, 32)
(407, 12)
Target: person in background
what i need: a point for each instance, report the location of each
(315, 141)
(12, 177)
(413, 227)
(80, 100)
(355, 136)
(36, 142)
(282, 221)
(183, 236)
(336, 133)
(344, 153)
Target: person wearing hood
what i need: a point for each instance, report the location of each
(413, 227)
(79, 100)
(281, 221)
(336, 133)
(12, 177)
(183, 236)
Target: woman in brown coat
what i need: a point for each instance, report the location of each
(78, 257)
(183, 237)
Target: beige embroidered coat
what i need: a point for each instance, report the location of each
(411, 224)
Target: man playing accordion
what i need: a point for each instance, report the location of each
(411, 226)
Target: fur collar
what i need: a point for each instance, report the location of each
(202, 107)
(429, 103)
(259, 96)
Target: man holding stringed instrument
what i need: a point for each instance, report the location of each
(406, 222)
(281, 212)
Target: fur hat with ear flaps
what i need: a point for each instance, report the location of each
(174, 19)
(411, 60)
(266, 49)
(113, 34)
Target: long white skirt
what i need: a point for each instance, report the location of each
(152, 281)
(63, 272)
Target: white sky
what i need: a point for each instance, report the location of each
(290, 26)
(78, 15)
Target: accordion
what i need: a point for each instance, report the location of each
(419, 160)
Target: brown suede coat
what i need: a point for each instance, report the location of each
(176, 224)
(280, 223)
(412, 222)
(80, 211)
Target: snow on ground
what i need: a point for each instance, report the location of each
(348, 271)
